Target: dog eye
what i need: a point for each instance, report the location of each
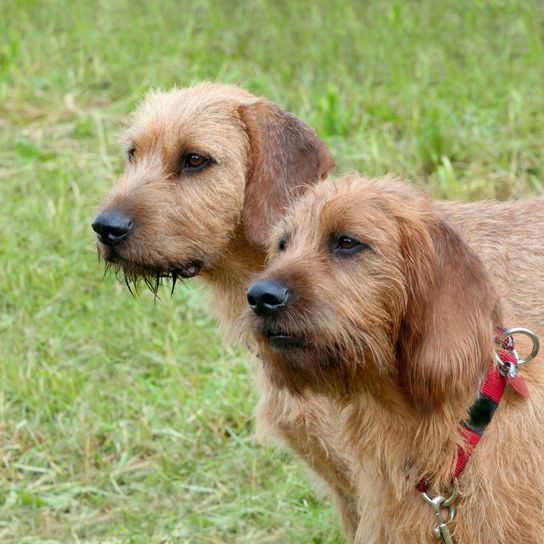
(345, 242)
(282, 244)
(130, 154)
(346, 245)
(193, 162)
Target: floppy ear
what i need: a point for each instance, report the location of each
(446, 338)
(285, 156)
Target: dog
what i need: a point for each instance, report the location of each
(208, 170)
(376, 313)
(210, 216)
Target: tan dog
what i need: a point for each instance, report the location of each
(376, 314)
(161, 220)
(209, 168)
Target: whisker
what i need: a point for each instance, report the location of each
(174, 279)
(152, 278)
(157, 285)
(127, 282)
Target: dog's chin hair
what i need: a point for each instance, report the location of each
(133, 277)
(337, 370)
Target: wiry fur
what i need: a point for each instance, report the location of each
(216, 219)
(395, 341)
(203, 219)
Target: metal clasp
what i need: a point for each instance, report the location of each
(441, 506)
(508, 368)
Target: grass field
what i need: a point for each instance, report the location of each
(126, 420)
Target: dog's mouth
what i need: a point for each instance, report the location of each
(152, 275)
(187, 270)
(283, 340)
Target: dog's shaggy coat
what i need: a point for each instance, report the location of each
(386, 333)
(208, 217)
(219, 219)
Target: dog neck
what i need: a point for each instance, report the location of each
(402, 443)
(229, 279)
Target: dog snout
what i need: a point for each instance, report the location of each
(112, 226)
(266, 297)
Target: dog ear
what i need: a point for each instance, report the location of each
(446, 337)
(286, 155)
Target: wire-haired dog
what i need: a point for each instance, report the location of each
(376, 314)
(208, 170)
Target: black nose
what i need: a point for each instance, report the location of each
(267, 296)
(112, 226)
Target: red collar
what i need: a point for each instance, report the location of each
(499, 373)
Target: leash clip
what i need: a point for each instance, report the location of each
(441, 506)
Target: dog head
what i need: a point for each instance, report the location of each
(367, 285)
(204, 165)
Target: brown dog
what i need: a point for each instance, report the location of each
(209, 168)
(376, 314)
(167, 219)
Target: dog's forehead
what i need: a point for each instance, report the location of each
(301, 216)
(339, 205)
(356, 207)
(204, 112)
(191, 100)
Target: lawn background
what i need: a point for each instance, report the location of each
(126, 420)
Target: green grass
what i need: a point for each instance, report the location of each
(126, 420)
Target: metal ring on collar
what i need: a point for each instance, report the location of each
(531, 335)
